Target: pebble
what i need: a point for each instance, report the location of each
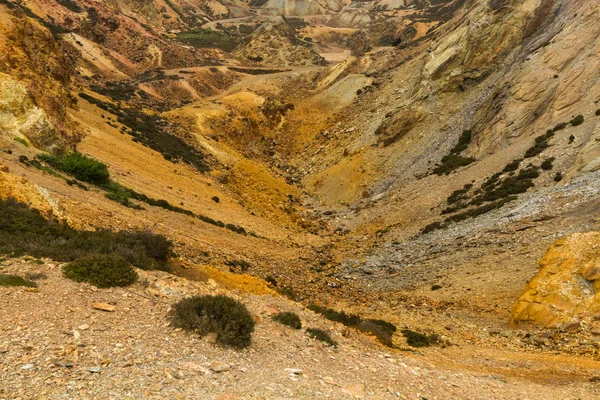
(104, 307)
(220, 366)
(294, 371)
(94, 370)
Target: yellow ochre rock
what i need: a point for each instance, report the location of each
(567, 286)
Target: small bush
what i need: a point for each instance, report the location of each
(578, 120)
(216, 199)
(270, 279)
(558, 177)
(83, 168)
(101, 270)
(598, 112)
(14, 280)
(288, 319)
(547, 164)
(241, 264)
(288, 292)
(454, 160)
(513, 165)
(227, 317)
(337, 316)
(571, 139)
(382, 330)
(35, 276)
(434, 226)
(321, 335)
(416, 339)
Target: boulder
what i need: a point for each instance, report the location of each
(566, 289)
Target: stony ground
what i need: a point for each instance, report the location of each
(56, 343)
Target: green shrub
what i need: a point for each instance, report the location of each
(101, 270)
(81, 167)
(288, 319)
(321, 335)
(26, 231)
(14, 280)
(578, 120)
(227, 317)
(598, 112)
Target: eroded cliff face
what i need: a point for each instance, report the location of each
(21, 118)
(36, 80)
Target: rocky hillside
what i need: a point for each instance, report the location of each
(405, 162)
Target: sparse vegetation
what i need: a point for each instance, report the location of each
(578, 120)
(71, 5)
(153, 131)
(207, 38)
(513, 165)
(558, 177)
(547, 164)
(101, 270)
(26, 231)
(270, 279)
(416, 339)
(598, 112)
(288, 292)
(223, 315)
(235, 264)
(14, 280)
(454, 160)
(24, 142)
(382, 330)
(321, 335)
(288, 318)
(96, 172)
(83, 168)
(541, 144)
